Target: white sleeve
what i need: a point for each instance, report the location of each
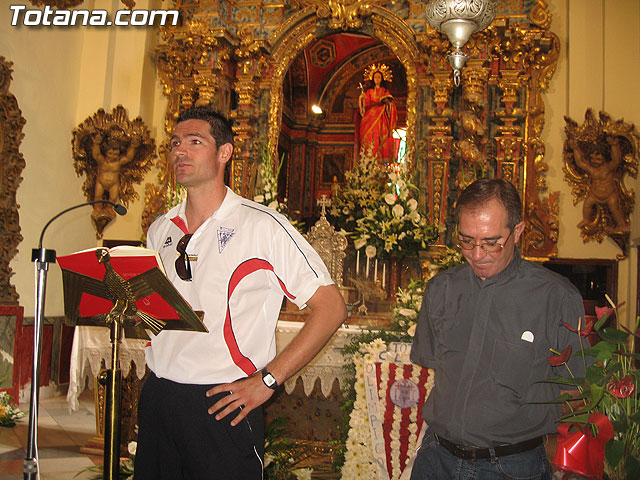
(298, 266)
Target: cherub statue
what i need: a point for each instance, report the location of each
(603, 186)
(109, 165)
(597, 156)
(113, 153)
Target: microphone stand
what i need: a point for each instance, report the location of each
(43, 258)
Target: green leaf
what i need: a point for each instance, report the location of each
(579, 414)
(632, 355)
(635, 418)
(601, 351)
(572, 417)
(597, 391)
(565, 397)
(613, 452)
(595, 374)
(576, 382)
(613, 335)
(601, 321)
(613, 368)
(632, 467)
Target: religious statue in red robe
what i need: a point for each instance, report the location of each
(379, 115)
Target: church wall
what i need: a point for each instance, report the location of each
(594, 35)
(46, 66)
(62, 75)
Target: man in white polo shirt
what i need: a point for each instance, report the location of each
(199, 411)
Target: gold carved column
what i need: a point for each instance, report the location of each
(439, 144)
(11, 165)
(251, 55)
(523, 60)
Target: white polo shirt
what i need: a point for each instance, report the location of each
(248, 257)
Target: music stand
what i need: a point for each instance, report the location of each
(126, 316)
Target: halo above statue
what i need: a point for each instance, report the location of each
(386, 72)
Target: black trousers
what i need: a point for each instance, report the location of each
(179, 440)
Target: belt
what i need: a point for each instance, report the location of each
(472, 453)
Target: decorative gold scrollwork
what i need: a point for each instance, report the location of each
(342, 14)
(540, 14)
(190, 62)
(61, 4)
(67, 4)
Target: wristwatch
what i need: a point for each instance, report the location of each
(269, 380)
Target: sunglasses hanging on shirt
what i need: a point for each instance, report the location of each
(183, 265)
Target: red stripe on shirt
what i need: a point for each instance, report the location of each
(243, 270)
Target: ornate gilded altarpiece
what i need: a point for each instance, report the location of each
(11, 165)
(234, 55)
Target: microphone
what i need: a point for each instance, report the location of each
(43, 257)
(120, 210)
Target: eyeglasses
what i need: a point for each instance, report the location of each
(489, 247)
(183, 265)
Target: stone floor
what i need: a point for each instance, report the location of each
(61, 434)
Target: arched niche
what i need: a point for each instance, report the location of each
(387, 30)
(317, 149)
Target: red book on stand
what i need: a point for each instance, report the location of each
(94, 278)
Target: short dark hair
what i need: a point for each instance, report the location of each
(483, 191)
(219, 125)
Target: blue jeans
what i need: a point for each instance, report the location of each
(434, 462)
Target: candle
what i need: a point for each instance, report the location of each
(367, 266)
(384, 271)
(357, 262)
(375, 272)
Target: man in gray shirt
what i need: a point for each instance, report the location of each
(486, 327)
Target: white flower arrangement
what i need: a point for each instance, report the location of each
(363, 348)
(404, 313)
(363, 186)
(359, 462)
(393, 223)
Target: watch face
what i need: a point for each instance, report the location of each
(269, 380)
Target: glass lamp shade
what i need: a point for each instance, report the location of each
(458, 20)
(476, 14)
(458, 31)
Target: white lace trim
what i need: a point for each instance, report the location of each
(326, 366)
(91, 345)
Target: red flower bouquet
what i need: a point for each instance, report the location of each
(602, 434)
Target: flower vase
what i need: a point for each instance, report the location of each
(394, 276)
